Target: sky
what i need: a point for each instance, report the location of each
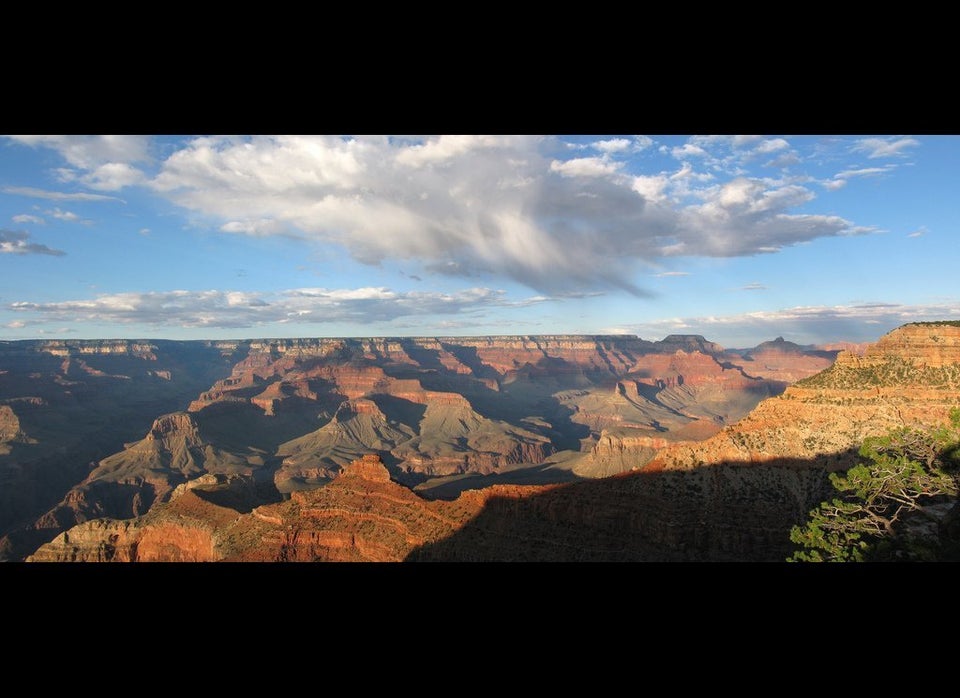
(742, 238)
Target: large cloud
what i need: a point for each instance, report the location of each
(747, 216)
(518, 207)
(511, 206)
(238, 309)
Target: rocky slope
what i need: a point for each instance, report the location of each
(910, 377)
(10, 431)
(719, 513)
(182, 530)
(361, 515)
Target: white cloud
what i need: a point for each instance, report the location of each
(884, 147)
(788, 159)
(841, 178)
(57, 195)
(688, 150)
(686, 172)
(144, 231)
(733, 156)
(834, 184)
(448, 147)
(634, 144)
(755, 286)
(585, 167)
(863, 172)
(240, 309)
(27, 218)
(16, 242)
(262, 226)
(614, 145)
(97, 162)
(66, 174)
(738, 192)
(745, 217)
(919, 232)
(771, 146)
(59, 332)
(517, 207)
(803, 324)
(67, 216)
(90, 152)
(652, 188)
(673, 273)
(113, 176)
(741, 141)
(347, 294)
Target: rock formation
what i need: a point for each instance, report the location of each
(733, 496)
(10, 431)
(910, 377)
(77, 402)
(118, 425)
(361, 515)
(718, 513)
(786, 361)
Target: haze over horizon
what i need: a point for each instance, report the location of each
(738, 238)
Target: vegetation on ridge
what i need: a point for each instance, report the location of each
(935, 323)
(893, 371)
(899, 504)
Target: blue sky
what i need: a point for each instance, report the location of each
(739, 238)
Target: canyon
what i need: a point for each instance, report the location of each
(93, 429)
(481, 448)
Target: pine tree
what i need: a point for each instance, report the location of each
(885, 510)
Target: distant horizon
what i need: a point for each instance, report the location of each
(278, 338)
(819, 238)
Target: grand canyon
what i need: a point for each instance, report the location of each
(536, 447)
(417, 348)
